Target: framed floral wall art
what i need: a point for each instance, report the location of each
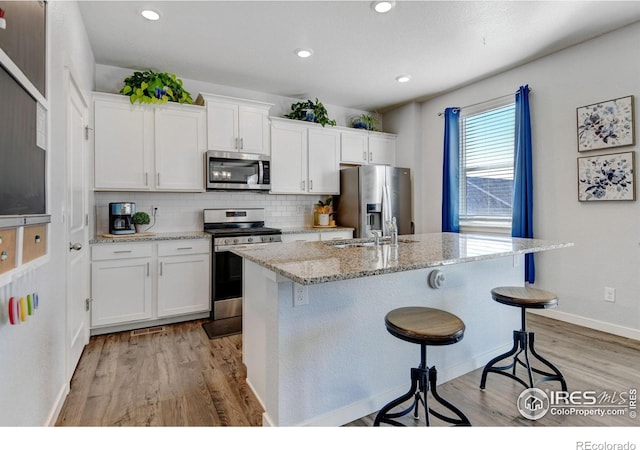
(607, 124)
(606, 177)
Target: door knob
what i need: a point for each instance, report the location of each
(76, 246)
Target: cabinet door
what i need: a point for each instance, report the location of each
(288, 158)
(183, 284)
(324, 163)
(382, 150)
(253, 124)
(335, 235)
(222, 126)
(354, 148)
(123, 155)
(179, 149)
(121, 291)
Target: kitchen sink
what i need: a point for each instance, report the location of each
(351, 243)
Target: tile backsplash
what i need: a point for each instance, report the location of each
(183, 211)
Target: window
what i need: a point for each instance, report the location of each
(486, 166)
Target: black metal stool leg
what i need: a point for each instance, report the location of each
(517, 346)
(462, 420)
(386, 417)
(556, 375)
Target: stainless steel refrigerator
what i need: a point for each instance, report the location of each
(371, 195)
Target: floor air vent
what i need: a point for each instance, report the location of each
(143, 331)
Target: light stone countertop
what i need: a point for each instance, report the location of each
(321, 262)
(153, 237)
(312, 229)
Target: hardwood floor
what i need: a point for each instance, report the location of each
(178, 377)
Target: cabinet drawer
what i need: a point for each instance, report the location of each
(184, 247)
(7, 249)
(333, 235)
(34, 242)
(120, 251)
(300, 237)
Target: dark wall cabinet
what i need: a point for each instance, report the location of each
(24, 39)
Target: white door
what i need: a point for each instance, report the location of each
(288, 159)
(253, 130)
(77, 326)
(222, 126)
(183, 284)
(324, 164)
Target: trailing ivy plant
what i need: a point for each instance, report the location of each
(310, 112)
(155, 87)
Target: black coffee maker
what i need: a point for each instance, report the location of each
(120, 218)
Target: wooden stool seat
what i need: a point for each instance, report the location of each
(524, 297)
(424, 325)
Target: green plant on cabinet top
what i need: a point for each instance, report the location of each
(310, 112)
(366, 122)
(155, 87)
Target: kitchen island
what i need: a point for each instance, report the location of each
(314, 341)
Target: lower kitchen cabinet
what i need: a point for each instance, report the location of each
(180, 286)
(138, 283)
(324, 235)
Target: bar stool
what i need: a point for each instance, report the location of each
(523, 340)
(424, 326)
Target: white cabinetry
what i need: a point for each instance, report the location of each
(304, 158)
(235, 124)
(138, 283)
(121, 283)
(361, 147)
(147, 147)
(183, 268)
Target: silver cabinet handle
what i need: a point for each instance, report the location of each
(122, 251)
(311, 185)
(184, 248)
(77, 246)
(146, 178)
(158, 179)
(237, 143)
(364, 156)
(370, 156)
(147, 269)
(161, 263)
(302, 185)
(241, 143)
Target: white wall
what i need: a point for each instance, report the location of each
(32, 370)
(606, 234)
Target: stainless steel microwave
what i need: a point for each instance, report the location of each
(232, 170)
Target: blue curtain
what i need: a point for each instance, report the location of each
(451, 171)
(522, 179)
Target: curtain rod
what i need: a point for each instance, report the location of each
(480, 103)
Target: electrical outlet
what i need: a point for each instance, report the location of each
(609, 294)
(300, 295)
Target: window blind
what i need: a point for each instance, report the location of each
(486, 173)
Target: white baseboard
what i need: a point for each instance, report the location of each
(57, 405)
(599, 325)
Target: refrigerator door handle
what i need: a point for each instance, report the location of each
(386, 209)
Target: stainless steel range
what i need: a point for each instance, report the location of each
(229, 228)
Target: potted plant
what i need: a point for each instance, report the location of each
(311, 112)
(323, 209)
(140, 218)
(366, 122)
(155, 87)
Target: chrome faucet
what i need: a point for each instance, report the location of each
(377, 234)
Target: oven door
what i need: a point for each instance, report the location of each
(227, 171)
(227, 285)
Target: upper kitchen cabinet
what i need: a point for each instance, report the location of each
(236, 125)
(304, 158)
(364, 147)
(24, 39)
(148, 147)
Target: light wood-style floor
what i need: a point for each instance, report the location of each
(179, 377)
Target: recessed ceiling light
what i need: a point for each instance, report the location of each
(383, 6)
(150, 15)
(304, 52)
(403, 78)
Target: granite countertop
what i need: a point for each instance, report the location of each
(321, 262)
(100, 239)
(312, 229)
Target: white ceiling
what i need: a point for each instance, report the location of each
(357, 52)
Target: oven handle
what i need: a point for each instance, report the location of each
(226, 248)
